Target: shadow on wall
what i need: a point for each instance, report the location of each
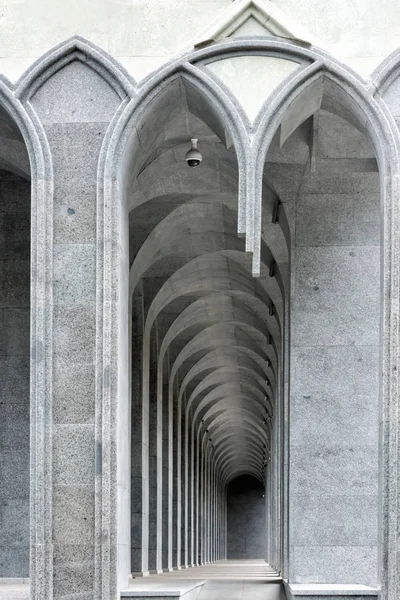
(246, 518)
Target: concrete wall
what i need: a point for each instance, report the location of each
(14, 375)
(246, 519)
(144, 34)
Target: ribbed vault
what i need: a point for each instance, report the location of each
(210, 334)
(209, 339)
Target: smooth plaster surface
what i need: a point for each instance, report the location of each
(142, 35)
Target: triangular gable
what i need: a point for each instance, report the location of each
(251, 17)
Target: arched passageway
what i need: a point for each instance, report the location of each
(231, 373)
(207, 331)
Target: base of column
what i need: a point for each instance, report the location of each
(155, 571)
(167, 570)
(140, 574)
(326, 591)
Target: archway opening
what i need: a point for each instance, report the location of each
(229, 370)
(246, 537)
(205, 334)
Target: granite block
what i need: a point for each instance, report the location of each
(73, 515)
(331, 591)
(334, 219)
(334, 520)
(336, 296)
(341, 182)
(74, 273)
(324, 418)
(334, 564)
(75, 213)
(335, 469)
(338, 139)
(73, 570)
(75, 150)
(76, 93)
(73, 392)
(74, 330)
(348, 370)
(73, 455)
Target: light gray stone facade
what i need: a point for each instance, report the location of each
(189, 327)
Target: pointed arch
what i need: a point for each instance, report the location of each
(80, 49)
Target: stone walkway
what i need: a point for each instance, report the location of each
(225, 580)
(14, 590)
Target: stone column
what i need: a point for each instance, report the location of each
(188, 501)
(197, 499)
(202, 504)
(166, 491)
(75, 106)
(184, 497)
(136, 429)
(153, 451)
(175, 506)
(178, 485)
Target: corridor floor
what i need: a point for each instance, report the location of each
(227, 580)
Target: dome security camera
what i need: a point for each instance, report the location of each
(193, 157)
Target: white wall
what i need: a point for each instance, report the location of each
(143, 34)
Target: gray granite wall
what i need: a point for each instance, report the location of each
(75, 117)
(333, 490)
(245, 519)
(14, 374)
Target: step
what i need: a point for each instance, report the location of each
(170, 590)
(320, 591)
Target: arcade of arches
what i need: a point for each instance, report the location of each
(247, 415)
(216, 352)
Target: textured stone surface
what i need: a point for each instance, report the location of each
(76, 94)
(14, 376)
